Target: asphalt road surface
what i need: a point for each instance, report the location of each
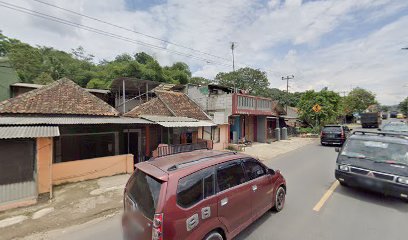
(316, 207)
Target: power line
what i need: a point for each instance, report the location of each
(105, 33)
(130, 30)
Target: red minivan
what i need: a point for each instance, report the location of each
(203, 194)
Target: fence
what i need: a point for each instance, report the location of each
(293, 131)
(180, 148)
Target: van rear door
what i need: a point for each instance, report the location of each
(141, 198)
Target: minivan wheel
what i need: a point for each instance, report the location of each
(280, 199)
(214, 236)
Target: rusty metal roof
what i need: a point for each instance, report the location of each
(10, 132)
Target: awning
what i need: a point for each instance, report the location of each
(187, 124)
(67, 120)
(170, 121)
(28, 132)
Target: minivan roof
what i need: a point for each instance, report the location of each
(166, 163)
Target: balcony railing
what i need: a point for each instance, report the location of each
(252, 105)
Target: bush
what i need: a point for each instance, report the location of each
(314, 130)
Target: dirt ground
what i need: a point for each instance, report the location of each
(74, 203)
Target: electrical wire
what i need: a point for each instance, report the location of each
(130, 30)
(105, 33)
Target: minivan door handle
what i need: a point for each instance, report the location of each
(224, 201)
(254, 188)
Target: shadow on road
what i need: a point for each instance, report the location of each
(253, 227)
(373, 198)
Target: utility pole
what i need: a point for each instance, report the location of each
(345, 115)
(233, 61)
(287, 78)
(233, 56)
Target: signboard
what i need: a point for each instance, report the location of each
(317, 108)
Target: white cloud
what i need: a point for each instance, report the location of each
(260, 30)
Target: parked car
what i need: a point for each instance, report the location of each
(400, 116)
(375, 161)
(203, 194)
(393, 114)
(400, 127)
(334, 134)
(384, 115)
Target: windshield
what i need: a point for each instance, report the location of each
(396, 127)
(332, 129)
(144, 192)
(376, 151)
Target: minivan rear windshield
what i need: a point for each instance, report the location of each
(144, 191)
(332, 129)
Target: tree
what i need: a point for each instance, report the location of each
(284, 98)
(43, 79)
(330, 107)
(403, 106)
(252, 80)
(199, 81)
(96, 83)
(359, 99)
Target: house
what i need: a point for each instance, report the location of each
(179, 120)
(238, 115)
(8, 76)
(62, 133)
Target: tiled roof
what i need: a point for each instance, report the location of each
(63, 97)
(181, 105)
(153, 107)
(169, 103)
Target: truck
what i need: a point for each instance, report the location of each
(370, 119)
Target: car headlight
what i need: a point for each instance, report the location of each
(402, 180)
(344, 168)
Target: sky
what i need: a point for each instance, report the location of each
(339, 44)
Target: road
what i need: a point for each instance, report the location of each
(347, 213)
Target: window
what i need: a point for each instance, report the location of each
(216, 135)
(207, 133)
(230, 175)
(144, 190)
(253, 169)
(84, 146)
(195, 187)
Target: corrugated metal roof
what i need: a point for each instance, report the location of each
(157, 118)
(28, 132)
(187, 124)
(24, 120)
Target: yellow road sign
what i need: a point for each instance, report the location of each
(317, 108)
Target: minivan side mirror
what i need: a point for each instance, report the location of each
(271, 171)
(337, 149)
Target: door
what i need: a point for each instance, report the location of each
(133, 143)
(17, 170)
(261, 186)
(234, 195)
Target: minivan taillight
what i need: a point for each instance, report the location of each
(342, 134)
(157, 230)
(321, 134)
